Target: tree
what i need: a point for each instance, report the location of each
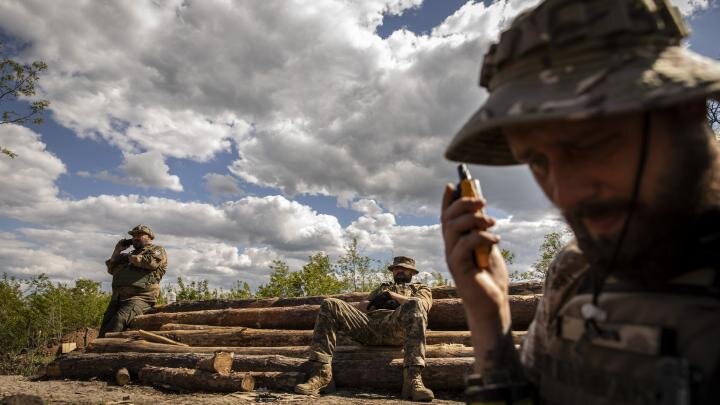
(19, 80)
(195, 290)
(282, 282)
(356, 269)
(439, 280)
(318, 277)
(552, 243)
(508, 255)
(240, 291)
(713, 115)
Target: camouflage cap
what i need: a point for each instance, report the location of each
(142, 229)
(405, 262)
(579, 59)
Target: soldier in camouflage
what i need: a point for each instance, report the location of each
(136, 278)
(606, 106)
(397, 316)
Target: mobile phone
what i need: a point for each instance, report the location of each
(470, 187)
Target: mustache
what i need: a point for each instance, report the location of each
(594, 209)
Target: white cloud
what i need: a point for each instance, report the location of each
(310, 97)
(689, 7)
(30, 178)
(222, 185)
(149, 170)
(321, 105)
(144, 170)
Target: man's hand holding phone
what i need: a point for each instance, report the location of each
(482, 285)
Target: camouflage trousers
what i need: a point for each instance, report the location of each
(120, 313)
(404, 326)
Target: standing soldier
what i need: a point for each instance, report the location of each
(397, 315)
(606, 107)
(136, 278)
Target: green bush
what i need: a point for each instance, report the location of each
(35, 311)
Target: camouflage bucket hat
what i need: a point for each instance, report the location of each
(142, 229)
(405, 262)
(579, 59)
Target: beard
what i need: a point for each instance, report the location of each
(402, 278)
(665, 237)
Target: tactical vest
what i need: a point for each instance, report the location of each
(659, 346)
(131, 276)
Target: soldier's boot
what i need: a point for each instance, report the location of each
(413, 387)
(321, 380)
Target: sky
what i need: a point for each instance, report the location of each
(248, 131)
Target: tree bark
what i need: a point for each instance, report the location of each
(219, 363)
(117, 345)
(444, 373)
(445, 314)
(238, 336)
(153, 337)
(517, 288)
(245, 337)
(197, 380)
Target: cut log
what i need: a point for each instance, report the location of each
(220, 362)
(116, 345)
(518, 288)
(152, 337)
(239, 336)
(445, 314)
(122, 376)
(197, 380)
(445, 373)
(67, 347)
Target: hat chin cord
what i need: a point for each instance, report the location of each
(592, 313)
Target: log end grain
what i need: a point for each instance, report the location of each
(122, 376)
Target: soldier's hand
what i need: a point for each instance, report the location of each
(379, 301)
(120, 246)
(465, 228)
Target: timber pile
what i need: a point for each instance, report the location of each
(240, 345)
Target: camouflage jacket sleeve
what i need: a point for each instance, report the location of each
(153, 258)
(424, 295)
(563, 272)
(114, 265)
(377, 291)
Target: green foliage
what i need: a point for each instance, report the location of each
(17, 81)
(359, 272)
(36, 311)
(552, 243)
(317, 277)
(438, 280)
(240, 291)
(193, 291)
(508, 255)
(283, 283)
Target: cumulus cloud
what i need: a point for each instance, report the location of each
(146, 170)
(236, 240)
(30, 178)
(222, 185)
(321, 106)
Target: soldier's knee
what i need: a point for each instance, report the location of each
(412, 306)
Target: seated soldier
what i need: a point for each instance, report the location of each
(136, 278)
(397, 315)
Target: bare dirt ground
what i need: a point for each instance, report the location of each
(100, 392)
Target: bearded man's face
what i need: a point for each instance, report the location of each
(588, 170)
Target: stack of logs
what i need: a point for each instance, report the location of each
(237, 345)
